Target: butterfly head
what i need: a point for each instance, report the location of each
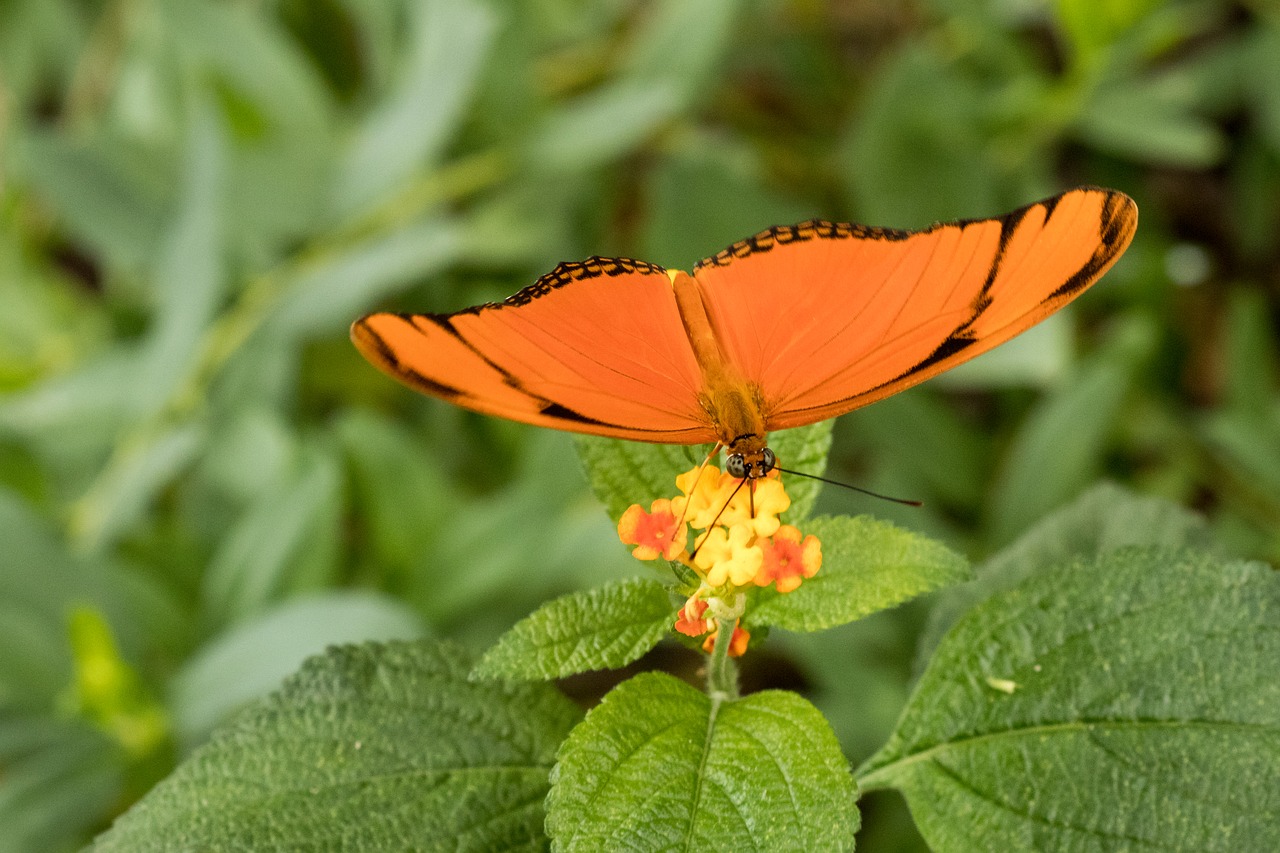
(748, 458)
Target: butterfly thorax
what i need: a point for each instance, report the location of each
(733, 405)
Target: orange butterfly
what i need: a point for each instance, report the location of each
(795, 325)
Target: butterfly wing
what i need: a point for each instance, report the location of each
(827, 317)
(595, 347)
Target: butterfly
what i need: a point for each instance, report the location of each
(794, 325)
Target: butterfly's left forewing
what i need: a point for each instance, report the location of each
(827, 317)
(595, 347)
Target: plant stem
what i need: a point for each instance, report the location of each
(722, 672)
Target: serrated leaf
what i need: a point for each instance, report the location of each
(1127, 701)
(1103, 519)
(603, 628)
(659, 765)
(374, 747)
(867, 565)
(623, 473)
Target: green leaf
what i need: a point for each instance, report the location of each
(1128, 701)
(251, 659)
(1058, 451)
(623, 473)
(867, 565)
(374, 747)
(603, 628)
(659, 765)
(1103, 519)
(805, 450)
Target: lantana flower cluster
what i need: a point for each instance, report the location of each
(742, 543)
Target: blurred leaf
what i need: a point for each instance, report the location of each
(1152, 121)
(929, 447)
(602, 628)
(405, 134)
(1250, 446)
(60, 779)
(73, 420)
(401, 487)
(1262, 58)
(1063, 713)
(285, 541)
(47, 325)
(1252, 368)
(113, 197)
(654, 83)
(867, 565)
(503, 554)
(915, 153)
(703, 31)
(373, 747)
(708, 193)
(856, 675)
(1059, 449)
(277, 109)
(659, 765)
(41, 581)
(122, 493)
(250, 660)
(107, 690)
(1103, 519)
(248, 451)
(604, 124)
(1092, 26)
(188, 279)
(327, 297)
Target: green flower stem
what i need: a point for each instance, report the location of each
(722, 672)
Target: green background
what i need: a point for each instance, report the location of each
(201, 482)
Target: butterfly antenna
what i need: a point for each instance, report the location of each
(707, 532)
(903, 501)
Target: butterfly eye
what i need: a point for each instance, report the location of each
(767, 461)
(736, 466)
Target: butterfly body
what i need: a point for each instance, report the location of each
(791, 326)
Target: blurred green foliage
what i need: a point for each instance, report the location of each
(201, 482)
